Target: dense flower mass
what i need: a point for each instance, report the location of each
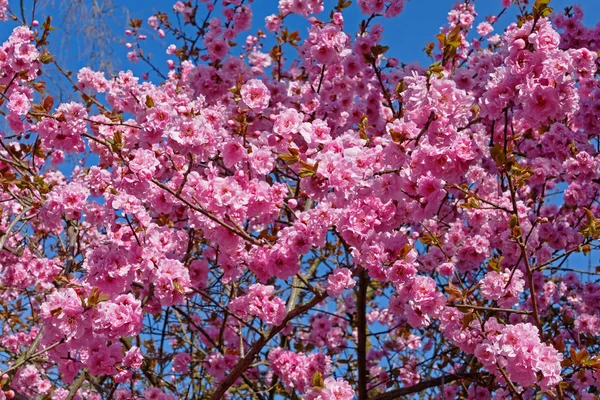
(261, 302)
(298, 214)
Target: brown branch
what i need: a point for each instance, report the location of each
(245, 362)
(12, 225)
(483, 308)
(384, 89)
(476, 197)
(240, 232)
(424, 129)
(419, 387)
(523, 248)
(84, 95)
(75, 386)
(510, 383)
(32, 356)
(361, 328)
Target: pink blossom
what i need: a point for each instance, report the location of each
(273, 23)
(334, 390)
(339, 280)
(261, 302)
(19, 103)
(170, 235)
(484, 29)
(504, 287)
(172, 283)
(133, 358)
(65, 128)
(255, 94)
(180, 363)
(296, 369)
(119, 317)
(144, 163)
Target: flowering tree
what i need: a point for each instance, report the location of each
(301, 216)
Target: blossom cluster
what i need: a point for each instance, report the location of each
(518, 350)
(260, 302)
(336, 225)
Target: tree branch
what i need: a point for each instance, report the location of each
(361, 328)
(12, 225)
(398, 393)
(245, 362)
(243, 234)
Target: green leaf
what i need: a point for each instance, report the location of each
(117, 142)
(400, 87)
(342, 4)
(442, 38)
(149, 102)
(436, 68)
(290, 158)
(178, 287)
(541, 4)
(135, 23)
(586, 249)
(541, 9)
(429, 48)
(379, 50)
(317, 380)
(305, 172)
(494, 263)
(467, 319)
(45, 57)
(363, 125)
(48, 102)
(497, 153)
